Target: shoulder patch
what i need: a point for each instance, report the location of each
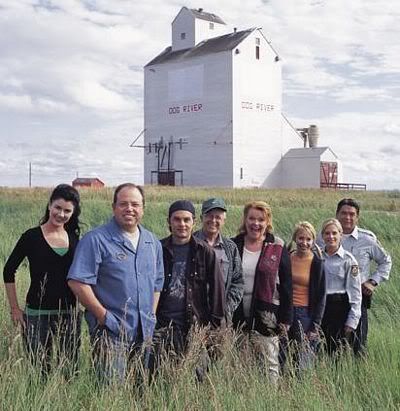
(354, 270)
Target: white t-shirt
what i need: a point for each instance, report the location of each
(249, 263)
(133, 237)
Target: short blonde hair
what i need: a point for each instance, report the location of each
(261, 206)
(306, 226)
(331, 221)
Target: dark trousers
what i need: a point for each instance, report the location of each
(361, 334)
(60, 332)
(333, 322)
(169, 343)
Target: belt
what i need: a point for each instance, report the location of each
(337, 298)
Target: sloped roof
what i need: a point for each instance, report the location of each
(214, 45)
(307, 152)
(86, 180)
(200, 14)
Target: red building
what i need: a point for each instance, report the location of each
(92, 182)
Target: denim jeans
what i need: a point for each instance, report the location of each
(304, 350)
(60, 333)
(112, 355)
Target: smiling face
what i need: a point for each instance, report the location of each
(128, 208)
(255, 224)
(181, 224)
(213, 221)
(304, 242)
(348, 217)
(60, 211)
(332, 237)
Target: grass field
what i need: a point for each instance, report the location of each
(233, 382)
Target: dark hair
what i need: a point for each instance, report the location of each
(67, 193)
(348, 202)
(130, 185)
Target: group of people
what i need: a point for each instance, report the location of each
(143, 297)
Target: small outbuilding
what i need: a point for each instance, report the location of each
(88, 182)
(314, 167)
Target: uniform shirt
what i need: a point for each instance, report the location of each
(365, 248)
(342, 276)
(123, 279)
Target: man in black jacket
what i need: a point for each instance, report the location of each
(193, 292)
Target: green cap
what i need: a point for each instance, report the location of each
(211, 204)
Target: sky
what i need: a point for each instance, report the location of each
(71, 81)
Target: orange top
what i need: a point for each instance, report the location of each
(301, 268)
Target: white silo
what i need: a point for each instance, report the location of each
(216, 96)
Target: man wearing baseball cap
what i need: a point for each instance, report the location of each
(213, 215)
(193, 292)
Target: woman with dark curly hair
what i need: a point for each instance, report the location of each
(51, 313)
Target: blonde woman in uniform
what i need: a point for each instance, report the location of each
(343, 287)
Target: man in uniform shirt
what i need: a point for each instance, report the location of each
(213, 214)
(193, 292)
(365, 248)
(117, 275)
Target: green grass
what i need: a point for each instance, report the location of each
(233, 383)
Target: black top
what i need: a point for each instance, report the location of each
(316, 291)
(48, 270)
(174, 303)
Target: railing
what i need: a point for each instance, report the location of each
(344, 186)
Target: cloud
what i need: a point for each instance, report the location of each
(72, 83)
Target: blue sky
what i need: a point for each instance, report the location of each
(72, 81)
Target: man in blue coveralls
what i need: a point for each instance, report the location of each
(117, 275)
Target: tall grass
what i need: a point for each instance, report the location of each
(234, 382)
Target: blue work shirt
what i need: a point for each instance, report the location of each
(123, 279)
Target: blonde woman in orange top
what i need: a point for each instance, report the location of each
(309, 294)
